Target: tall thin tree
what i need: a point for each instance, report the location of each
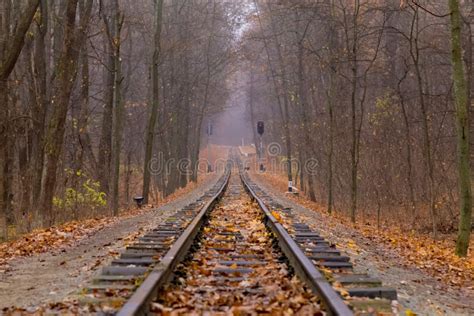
(118, 107)
(462, 123)
(150, 131)
(66, 71)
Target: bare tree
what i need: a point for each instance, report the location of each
(14, 25)
(150, 134)
(66, 71)
(118, 115)
(462, 110)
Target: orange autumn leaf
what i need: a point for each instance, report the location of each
(277, 216)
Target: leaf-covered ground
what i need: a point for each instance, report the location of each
(425, 271)
(60, 236)
(214, 280)
(435, 257)
(57, 267)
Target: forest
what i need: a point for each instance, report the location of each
(377, 97)
(359, 110)
(91, 90)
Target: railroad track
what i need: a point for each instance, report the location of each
(132, 279)
(362, 292)
(237, 267)
(234, 247)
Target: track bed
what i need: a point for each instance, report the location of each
(237, 266)
(232, 251)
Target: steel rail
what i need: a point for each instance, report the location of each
(303, 266)
(160, 274)
(138, 304)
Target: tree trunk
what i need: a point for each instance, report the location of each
(305, 119)
(105, 143)
(253, 123)
(183, 121)
(330, 102)
(128, 173)
(150, 131)
(409, 177)
(354, 82)
(286, 107)
(39, 66)
(462, 123)
(118, 110)
(4, 190)
(331, 145)
(415, 55)
(183, 167)
(9, 52)
(196, 146)
(65, 76)
(10, 48)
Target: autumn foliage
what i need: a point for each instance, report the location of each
(415, 249)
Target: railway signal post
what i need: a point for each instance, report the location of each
(260, 131)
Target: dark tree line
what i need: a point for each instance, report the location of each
(90, 89)
(104, 99)
(377, 97)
